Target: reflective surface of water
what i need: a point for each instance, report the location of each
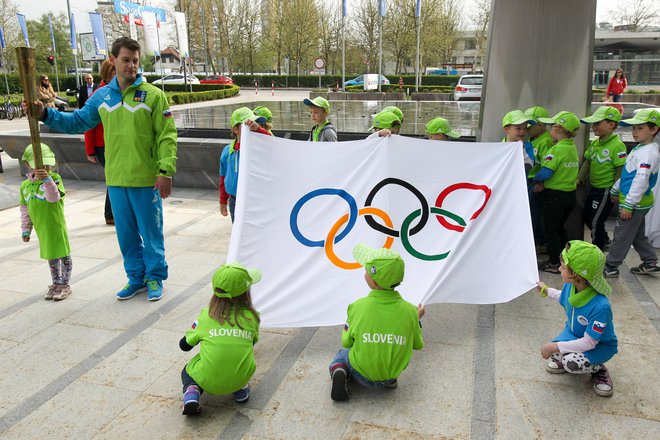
(355, 116)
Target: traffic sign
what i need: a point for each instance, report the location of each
(319, 63)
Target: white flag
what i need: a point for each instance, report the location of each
(458, 214)
(182, 33)
(150, 33)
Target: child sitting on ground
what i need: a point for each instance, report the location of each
(588, 340)
(42, 206)
(603, 162)
(227, 330)
(382, 329)
(323, 130)
(439, 129)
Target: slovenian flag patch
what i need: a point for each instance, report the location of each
(194, 325)
(645, 165)
(167, 113)
(548, 157)
(598, 327)
(622, 154)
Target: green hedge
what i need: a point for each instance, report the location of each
(411, 87)
(331, 80)
(185, 98)
(195, 87)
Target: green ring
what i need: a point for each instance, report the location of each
(406, 225)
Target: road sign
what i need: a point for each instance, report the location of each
(89, 49)
(319, 63)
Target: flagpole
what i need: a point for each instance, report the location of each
(73, 39)
(162, 72)
(343, 46)
(2, 55)
(380, 46)
(52, 40)
(417, 73)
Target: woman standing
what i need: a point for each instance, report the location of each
(94, 143)
(45, 92)
(618, 84)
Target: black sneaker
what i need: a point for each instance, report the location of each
(340, 385)
(549, 267)
(609, 272)
(191, 405)
(645, 268)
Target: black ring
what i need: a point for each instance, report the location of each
(384, 229)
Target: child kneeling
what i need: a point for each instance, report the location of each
(227, 331)
(382, 329)
(588, 340)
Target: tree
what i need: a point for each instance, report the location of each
(400, 33)
(329, 34)
(300, 31)
(440, 31)
(13, 36)
(365, 29)
(481, 19)
(636, 15)
(39, 33)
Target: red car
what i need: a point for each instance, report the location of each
(217, 79)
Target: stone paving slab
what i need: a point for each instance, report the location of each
(91, 367)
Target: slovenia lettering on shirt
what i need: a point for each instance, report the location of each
(246, 334)
(383, 338)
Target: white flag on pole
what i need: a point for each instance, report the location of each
(150, 33)
(458, 214)
(182, 33)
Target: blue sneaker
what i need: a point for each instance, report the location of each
(191, 401)
(242, 395)
(130, 290)
(155, 289)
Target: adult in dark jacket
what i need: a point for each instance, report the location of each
(86, 90)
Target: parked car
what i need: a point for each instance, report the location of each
(175, 78)
(359, 81)
(468, 88)
(216, 79)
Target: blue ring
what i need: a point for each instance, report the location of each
(293, 220)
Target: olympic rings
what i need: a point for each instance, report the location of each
(450, 189)
(391, 232)
(330, 252)
(293, 220)
(334, 236)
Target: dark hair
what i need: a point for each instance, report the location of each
(651, 126)
(42, 77)
(126, 42)
(222, 309)
(623, 75)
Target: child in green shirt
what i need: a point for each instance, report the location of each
(42, 207)
(226, 330)
(603, 162)
(382, 329)
(323, 130)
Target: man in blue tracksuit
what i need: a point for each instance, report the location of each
(140, 143)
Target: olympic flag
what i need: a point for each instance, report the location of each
(457, 213)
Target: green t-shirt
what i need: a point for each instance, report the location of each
(541, 144)
(562, 158)
(605, 157)
(382, 330)
(225, 362)
(47, 218)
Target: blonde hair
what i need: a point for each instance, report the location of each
(222, 309)
(570, 134)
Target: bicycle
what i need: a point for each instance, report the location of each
(8, 110)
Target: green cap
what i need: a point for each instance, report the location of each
(265, 112)
(385, 120)
(234, 279)
(318, 102)
(47, 155)
(394, 109)
(383, 265)
(587, 261)
(516, 117)
(642, 117)
(566, 119)
(243, 114)
(441, 126)
(605, 112)
(536, 113)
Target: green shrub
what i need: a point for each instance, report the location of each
(312, 81)
(188, 97)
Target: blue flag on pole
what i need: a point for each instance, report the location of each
(382, 7)
(418, 9)
(99, 35)
(23, 25)
(344, 8)
(74, 45)
(52, 36)
(2, 38)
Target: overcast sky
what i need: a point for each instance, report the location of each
(35, 8)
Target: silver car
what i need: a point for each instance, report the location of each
(468, 88)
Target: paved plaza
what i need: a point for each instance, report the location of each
(91, 367)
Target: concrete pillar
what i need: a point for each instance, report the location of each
(539, 53)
